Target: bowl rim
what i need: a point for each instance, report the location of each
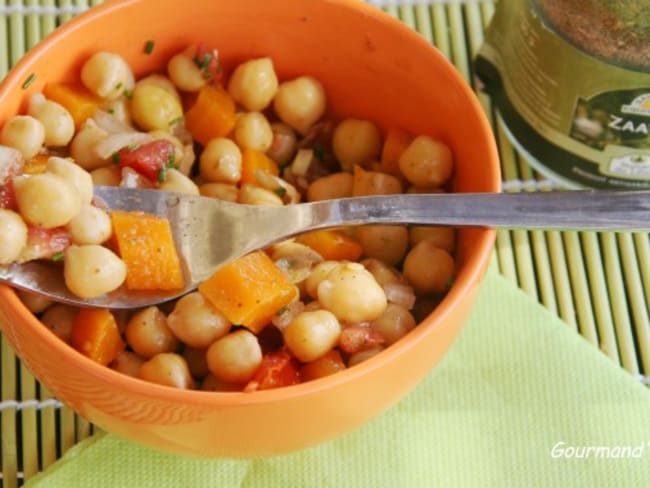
(471, 273)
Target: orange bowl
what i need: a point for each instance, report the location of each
(371, 66)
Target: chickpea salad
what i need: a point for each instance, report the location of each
(300, 310)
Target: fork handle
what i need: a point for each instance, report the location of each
(576, 210)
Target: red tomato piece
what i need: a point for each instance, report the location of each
(150, 159)
(45, 243)
(208, 61)
(278, 369)
(355, 338)
(8, 196)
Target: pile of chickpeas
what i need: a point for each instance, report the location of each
(346, 311)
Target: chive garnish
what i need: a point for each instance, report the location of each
(175, 121)
(128, 94)
(30, 79)
(116, 157)
(319, 151)
(58, 256)
(280, 191)
(171, 162)
(162, 174)
(148, 47)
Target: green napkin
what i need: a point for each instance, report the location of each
(513, 404)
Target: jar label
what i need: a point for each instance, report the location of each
(580, 119)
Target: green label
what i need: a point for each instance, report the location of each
(578, 118)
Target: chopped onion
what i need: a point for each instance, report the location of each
(302, 162)
(400, 294)
(285, 316)
(274, 184)
(114, 142)
(296, 270)
(110, 124)
(294, 250)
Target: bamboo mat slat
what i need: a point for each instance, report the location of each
(597, 283)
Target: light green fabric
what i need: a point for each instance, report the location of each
(516, 383)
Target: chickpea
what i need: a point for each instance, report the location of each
(382, 272)
(153, 108)
(330, 363)
(284, 145)
(443, 237)
(196, 322)
(212, 383)
(253, 131)
(420, 189)
(394, 323)
(107, 75)
(161, 81)
(57, 122)
(13, 236)
(311, 335)
(254, 195)
(175, 181)
(426, 162)
(184, 72)
(197, 361)
(235, 357)
(336, 185)
(34, 302)
(318, 274)
(221, 161)
(221, 191)
(428, 268)
(59, 319)
(352, 294)
(25, 133)
(356, 142)
(364, 355)
(128, 363)
(254, 83)
(91, 270)
(300, 102)
(375, 183)
(107, 176)
(167, 369)
(46, 200)
(387, 243)
(74, 175)
(91, 225)
(84, 143)
(148, 333)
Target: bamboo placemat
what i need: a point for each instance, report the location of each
(598, 283)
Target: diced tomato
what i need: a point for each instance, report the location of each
(150, 159)
(45, 243)
(355, 338)
(8, 196)
(208, 60)
(278, 369)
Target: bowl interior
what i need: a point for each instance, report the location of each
(372, 66)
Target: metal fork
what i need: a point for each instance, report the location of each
(209, 233)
